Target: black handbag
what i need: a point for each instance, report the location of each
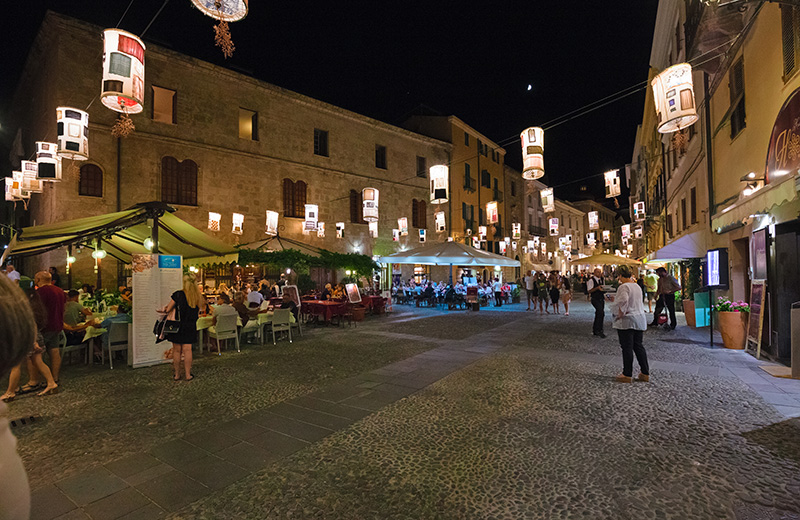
(167, 326)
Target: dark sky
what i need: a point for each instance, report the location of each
(382, 59)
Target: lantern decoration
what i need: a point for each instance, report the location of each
(214, 221)
(626, 231)
(340, 230)
(638, 232)
(618, 252)
(439, 184)
(532, 153)
(544, 247)
(612, 184)
(123, 72)
(535, 241)
(591, 239)
(370, 201)
(271, 224)
(373, 229)
(19, 186)
(553, 227)
(549, 256)
(548, 201)
(48, 163)
(225, 11)
(594, 220)
(513, 245)
(30, 180)
(638, 211)
(422, 236)
(396, 235)
(606, 236)
(630, 248)
(482, 232)
(503, 247)
(673, 92)
(439, 221)
(492, 216)
(507, 240)
(476, 242)
(70, 261)
(524, 250)
(562, 243)
(12, 190)
(320, 229)
(238, 223)
(516, 230)
(312, 216)
(531, 245)
(402, 226)
(73, 133)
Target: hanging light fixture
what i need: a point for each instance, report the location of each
(402, 225)
(422, 235)
(320, 229)
(30, 180)
(638, 211)
(73, 133)
(476, 242)
(548, 200)
(613, 188)
(340, 230)
(238, 224)
(532, 153)
(18, 186)
(516, 230)
(123, 72)
(553, 227)
(591, 239)
(70, 261)
(531, 245)
(482, 232)
(148, 243)
(626, 232)
(214, 221)
(492, 216)
(48, 163)
(369, 198)
(395, 235)
(225, 11)
(373, 229)
(312, 216)
(673, 93)
(271, 225)
(439, 184)
(439, 221)
(638, 232)
(594, 220)
(606, 236)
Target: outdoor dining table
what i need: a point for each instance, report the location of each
(323, 308)
(95, 332)
(370, 302)
(205, 322)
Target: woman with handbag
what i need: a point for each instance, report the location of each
(185, 305)
(630, 322)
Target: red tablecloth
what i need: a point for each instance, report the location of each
(371, 302)
(324, 309)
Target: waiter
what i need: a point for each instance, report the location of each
(594, 287)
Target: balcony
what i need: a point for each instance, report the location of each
(469, 184)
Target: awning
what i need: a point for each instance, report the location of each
(764, 201)
(691, 245)
(605, 259)
(448, 253)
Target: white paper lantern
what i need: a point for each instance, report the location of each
(214, 220)
(492, 215)
(312, 217)
(476, 242)
(630, 248)
(513, 245)
(369, 197)
(321, 229)
(626, 231)
(73, 133)
(612, 184)
(544, 247)
(673, 92)
(548, 200)
(396, 235)
(17, 187)
(439, 221)
(48, 163)
(591, 239)
(536, 241)
(531, 245)
(271, 225)
(562, 243)
(503, 247)
(10, 194)
(532, 153)
(340, 230)
(224, 10)
(553, 227)
(482, 232)
(402, 225)
(439, 184)
(422, 236)
(29, 178)
(638, 211)
(123, 72)
(373, 229)
(638, 232)
(238, 224)
(516, 230)
(606, 236)
(594, 220)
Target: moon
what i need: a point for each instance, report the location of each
(530, 87)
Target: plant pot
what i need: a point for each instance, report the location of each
(732, 327)
(688, 310)
(359, 312)
(515, 299)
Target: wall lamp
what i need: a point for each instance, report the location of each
(753, 183)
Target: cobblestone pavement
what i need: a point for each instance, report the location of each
(488, 415)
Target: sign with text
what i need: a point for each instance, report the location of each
(155, 278)
(717, 268)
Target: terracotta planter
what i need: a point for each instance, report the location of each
(732, 327)
(359, 312)
(688, 310)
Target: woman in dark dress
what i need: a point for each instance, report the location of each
(187, 306)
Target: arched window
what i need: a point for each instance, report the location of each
(294, 198)
(356, 207)
(419, 215)
(91, 181)
(178, 181)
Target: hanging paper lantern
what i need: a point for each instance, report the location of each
(612, 184)
(73, 133)
(123, 72)
(606, 236)
(516, 230)
(214, 221)
(396, 235)
(503, 247)
(562, 243)
(532, 153)
(553, 227)
(524, 250)
(476, 242)
(422, 236)
(492, 216)
(320, 229)
(30, 181)
(638, 211)
(238, 224)
(536, 242)
(548, 200)
(370, 201)
(18, 186)
(673, 92)
(507, 240)
(626, 231)
(373, 229)
(531, 245)
(591, 239)
(402, 225)
(223, 10)
(544, 247)
(11, 190)
(48, 163)
(439, 222)
(271, 225)
(482, 232)
(312, 216)
(439, 184)
(513, 245)
(630, 248)
(594, 220)
(638, 232)
(340, 230)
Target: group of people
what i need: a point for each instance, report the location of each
(546, 289)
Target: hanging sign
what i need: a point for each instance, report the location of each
(553, 227)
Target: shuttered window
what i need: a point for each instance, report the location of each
(356, 203)
(179, 181)
(91, 181)
(790, 39)
(736, 87)
(693, 205)
(294, 198)
(419, 214)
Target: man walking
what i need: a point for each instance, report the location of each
(498, 292)
(650, 287)
(54, 300)
(530, 289)
(667, 287)
(595, 288)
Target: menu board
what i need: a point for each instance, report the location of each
(758, 254)
(755, 322)
(352, 293)
(155, 278)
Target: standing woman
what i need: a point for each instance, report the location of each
(630, 322)
(544, 296)
(187, 305)
(555, 290)
(566, 293)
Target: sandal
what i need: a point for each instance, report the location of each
(49, 391)
(26, 388)
(7, 398)
(191, 376)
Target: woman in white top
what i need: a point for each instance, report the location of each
(630, 322)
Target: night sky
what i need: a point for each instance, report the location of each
(383, 59)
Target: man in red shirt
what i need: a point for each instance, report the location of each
(54, 299)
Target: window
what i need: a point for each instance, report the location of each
(693, 205)
(481, 217)
(294, 199)
(163, 109)
(790, 35)
(669, 225)
(419, 214)
(422, 167)
(380, 156)
(683, 214)
(678, 40)
(513, 189)
(736, 87)
(91, 181)
(468, 214)
(466, 139)
(486, 179)
(178, 181)
(321, 142)
(469, 182)
(248, 124)
(356, 204)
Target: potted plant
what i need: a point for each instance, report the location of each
(515, 292)
(732, 318)
(691, 286)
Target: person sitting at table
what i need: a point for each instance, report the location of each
(224, 308)
(289, 303)
(338, 292)
(326, 293)
(75, 315)
(254, 297)
(238, 304)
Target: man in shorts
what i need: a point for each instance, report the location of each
(530, 289)
(54, 300)
(650, 286)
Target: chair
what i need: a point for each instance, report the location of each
(68, 349)
(297, 322)
(225, 329)
(117, 342)
(282, 321)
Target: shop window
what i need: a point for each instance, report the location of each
(790, 39)
(693, 205)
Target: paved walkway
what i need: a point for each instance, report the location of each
(201, 464)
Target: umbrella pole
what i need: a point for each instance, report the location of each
(451, 275)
